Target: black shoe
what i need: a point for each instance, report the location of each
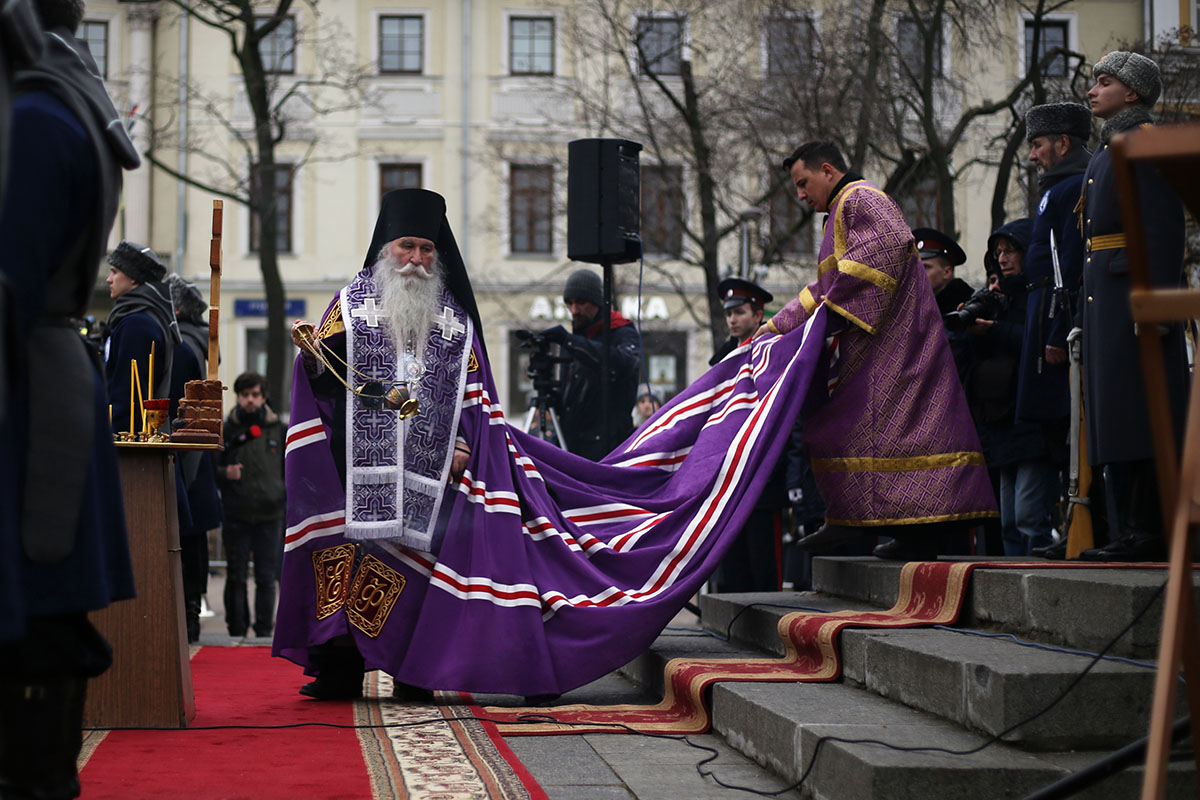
(342, 688)
(541, 699)
(1052, 552)
(907, 549)
(1135, 546)
(264, 634)
(408, 693)
(829, 536)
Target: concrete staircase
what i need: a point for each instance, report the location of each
(941, 688)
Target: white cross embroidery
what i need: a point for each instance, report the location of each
(369, 312)
(449, 325)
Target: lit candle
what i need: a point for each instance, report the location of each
(132, 382)
(150, 379)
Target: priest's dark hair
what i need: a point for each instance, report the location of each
(60, 13)
(814, 154)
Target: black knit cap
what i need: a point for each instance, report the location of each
(584, 285)
(1052, 119)
(420, 212)
(138, 262)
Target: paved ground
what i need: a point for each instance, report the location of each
(596, 766)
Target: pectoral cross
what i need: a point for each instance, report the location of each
(369, 312)
(449, 325)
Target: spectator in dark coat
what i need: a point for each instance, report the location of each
(141, 320)
(583, 414)
(63, 549)
(1017, 451)
(196, 470)
(251, 476)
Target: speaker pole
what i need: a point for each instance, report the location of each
(605, 336)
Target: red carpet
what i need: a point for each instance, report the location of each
(236, 686)
(931, 593)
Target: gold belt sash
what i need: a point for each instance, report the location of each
(1111, 241)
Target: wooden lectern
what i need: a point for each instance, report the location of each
(150, 681)
(1175, 152)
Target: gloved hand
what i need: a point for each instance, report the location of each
(557, 335)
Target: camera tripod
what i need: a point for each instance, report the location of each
(543, 412)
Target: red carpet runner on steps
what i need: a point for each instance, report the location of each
(245, 686)
(931, 593)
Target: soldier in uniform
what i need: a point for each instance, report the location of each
(744, 302)
(753, 561)
(1118, 425)
(63, 550)
(1057, 134)
(941, 254)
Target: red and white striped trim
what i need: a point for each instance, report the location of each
(608, 512)
(701, 404)
(523, 462)
(476, 395)
(315, 527)
(304, 433)
(476, 588)
(668, 461)
(541, 528)
(498, 501)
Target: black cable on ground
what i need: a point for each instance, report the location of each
(1092, 773)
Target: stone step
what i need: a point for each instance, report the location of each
(781, 726)
(984, 684)
(1078, 608)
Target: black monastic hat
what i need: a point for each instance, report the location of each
(420, 212)
(138, 262)
(736, 291)
(932, 243)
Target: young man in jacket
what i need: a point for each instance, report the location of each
(251, 476)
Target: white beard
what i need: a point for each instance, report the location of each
(409, 297)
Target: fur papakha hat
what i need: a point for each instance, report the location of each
(186, 297)
(138, 262)
(584, 285)
(1052, 119)
(1135, 71)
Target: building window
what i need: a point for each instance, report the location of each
(531, 46)
(791, 230)
(912, 48)
(398, 176)
(531, 209)
(920, 203)
(402, 45)
(283, 210)
(95, 35)
(659, 45)
(662, 210)
(1053, 33)
(278, 48)
(789, 45)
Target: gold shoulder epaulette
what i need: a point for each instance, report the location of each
(333, 323)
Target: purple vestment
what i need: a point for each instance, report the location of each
(553, 570)
(894, 444)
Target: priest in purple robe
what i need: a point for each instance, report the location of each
(453, 551)
(893, 448)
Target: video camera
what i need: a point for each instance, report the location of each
(983, 304)
(542, 367)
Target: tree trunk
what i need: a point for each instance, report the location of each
(709, 235)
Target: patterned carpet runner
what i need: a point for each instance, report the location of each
(440, 757)
(931, 593)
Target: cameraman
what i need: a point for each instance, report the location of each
(583, 416)
(1017, 453)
